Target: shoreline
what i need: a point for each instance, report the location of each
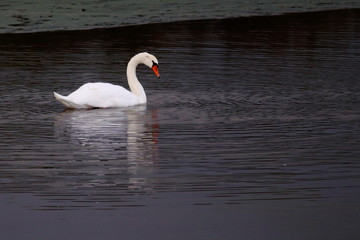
(54, 17)
(95, 31)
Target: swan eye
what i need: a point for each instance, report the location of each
(155, 64)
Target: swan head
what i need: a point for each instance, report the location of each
(150, 61)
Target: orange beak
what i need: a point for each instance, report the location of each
(155, 68)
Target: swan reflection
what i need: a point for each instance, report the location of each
(112, 146)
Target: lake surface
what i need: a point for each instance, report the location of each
(252, 132)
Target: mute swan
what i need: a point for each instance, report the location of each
(105, 95)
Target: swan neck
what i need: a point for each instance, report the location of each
(134, 84)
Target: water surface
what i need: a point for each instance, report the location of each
(251, 132)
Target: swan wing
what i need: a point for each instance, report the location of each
(98, 95)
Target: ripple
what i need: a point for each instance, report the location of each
(241, 114)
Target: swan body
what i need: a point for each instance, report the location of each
(106, 95)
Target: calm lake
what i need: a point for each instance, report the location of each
(252, 132)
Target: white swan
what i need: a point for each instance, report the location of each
(105, 95)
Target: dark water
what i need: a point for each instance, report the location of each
(252, 132)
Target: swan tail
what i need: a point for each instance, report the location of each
(67, 102)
